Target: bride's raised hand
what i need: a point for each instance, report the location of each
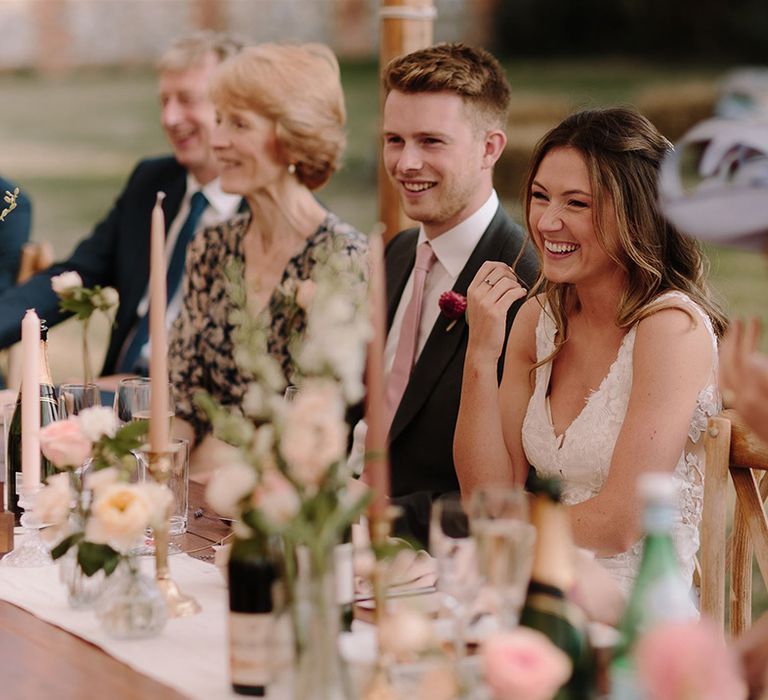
(493, 290)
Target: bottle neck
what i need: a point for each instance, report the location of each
(659, 518)
(553, 552)
(45, 368)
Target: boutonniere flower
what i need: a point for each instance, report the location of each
(452, 305)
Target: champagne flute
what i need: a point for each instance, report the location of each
(454, 549)
(132, 400)
(504, 535)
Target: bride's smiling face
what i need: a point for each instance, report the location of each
(562, 215)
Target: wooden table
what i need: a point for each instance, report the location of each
(39, 661)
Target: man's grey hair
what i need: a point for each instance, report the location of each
(190, 49)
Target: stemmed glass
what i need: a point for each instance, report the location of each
(500, 526)
(73, 398)
(454, 549)
(132, 400)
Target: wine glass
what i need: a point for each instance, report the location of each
(73, 398)
(132, 399)
(504, 535)
(291, 393)
(453, 547)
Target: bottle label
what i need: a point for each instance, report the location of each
(259, 647)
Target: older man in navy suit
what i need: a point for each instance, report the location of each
(117, 251)
(444, 119)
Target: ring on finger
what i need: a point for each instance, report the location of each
(488, 281)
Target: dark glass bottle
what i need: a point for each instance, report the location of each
(547, 609)
(259, 637)
(345, 580)
(49, 412)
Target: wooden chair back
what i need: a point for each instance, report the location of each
(732, 448)
(35, 257)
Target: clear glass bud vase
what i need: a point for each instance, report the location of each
(131, 606)
(82, 591)
(321, 673)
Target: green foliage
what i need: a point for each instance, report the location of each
(91, 557)
(63, 547)
(109, 451)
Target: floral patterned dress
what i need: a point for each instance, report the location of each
(582, 456)
(201, 349)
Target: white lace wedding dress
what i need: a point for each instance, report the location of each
(582, 455)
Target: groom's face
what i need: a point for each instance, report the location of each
(188, 116)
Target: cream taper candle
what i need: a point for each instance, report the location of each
(30, 401)
(158, 340)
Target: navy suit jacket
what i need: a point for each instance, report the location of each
(421, 435)
(116, 254)
(14, 233)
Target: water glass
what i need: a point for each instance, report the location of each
(73, 398)
(453, 547)
(178, 481)
(504, 535)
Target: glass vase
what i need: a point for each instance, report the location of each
(131, 606)
(82, 591)
(321, 673)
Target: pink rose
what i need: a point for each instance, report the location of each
(276, 498)
(524, 665)
(688, 660)
(64, 444)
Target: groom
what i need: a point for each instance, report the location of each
(444, 119)
(117, 251)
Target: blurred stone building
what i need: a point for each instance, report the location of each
(57, 35)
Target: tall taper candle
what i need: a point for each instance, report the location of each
(30, 401)
(158, 341)
(376, 461)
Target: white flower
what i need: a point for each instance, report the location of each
(53, 500)
(106, 298)
(64, 283)
(276, 498)
(97, 421)
(254, 400)
(97, 480)
(160, 499)
(228, 486)
(315, 435)
(119, 516)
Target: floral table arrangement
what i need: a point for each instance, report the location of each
(291, 483)
(95, 516)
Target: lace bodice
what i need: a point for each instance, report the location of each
(582, 456)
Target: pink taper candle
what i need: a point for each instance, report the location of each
(30, 401)
(376, 462)
(158, 342)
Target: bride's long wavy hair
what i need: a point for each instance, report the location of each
(623, 152)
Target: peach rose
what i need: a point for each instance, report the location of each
(276, 498)
(524, 665)
(119, 516)
(64, 444)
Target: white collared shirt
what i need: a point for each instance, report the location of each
(452, 250)
(221, 206)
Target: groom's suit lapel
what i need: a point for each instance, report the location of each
(442, 344)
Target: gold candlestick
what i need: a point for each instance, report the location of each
(177, 603)
(379, 687)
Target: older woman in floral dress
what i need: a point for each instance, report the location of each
(279, 136)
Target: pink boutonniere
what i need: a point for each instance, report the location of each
(453, 305)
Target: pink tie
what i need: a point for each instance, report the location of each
(405, 355)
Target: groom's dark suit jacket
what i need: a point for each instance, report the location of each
(116, 254)
(421, 435)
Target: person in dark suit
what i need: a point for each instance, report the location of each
(444, 119)
(14, 233)
(117, 251)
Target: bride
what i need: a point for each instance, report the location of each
(611, 365)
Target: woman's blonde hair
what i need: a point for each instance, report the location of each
(298, 87)
(623, 151)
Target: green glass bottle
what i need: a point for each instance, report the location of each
(660, 593)
(49, 412)
(547, 609)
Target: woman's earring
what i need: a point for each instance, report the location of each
(292, 168)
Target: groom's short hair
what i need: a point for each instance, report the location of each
(472, 73)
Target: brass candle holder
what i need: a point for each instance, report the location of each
(178, 604)
(380, 687)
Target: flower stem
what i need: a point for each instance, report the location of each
(87, 372)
